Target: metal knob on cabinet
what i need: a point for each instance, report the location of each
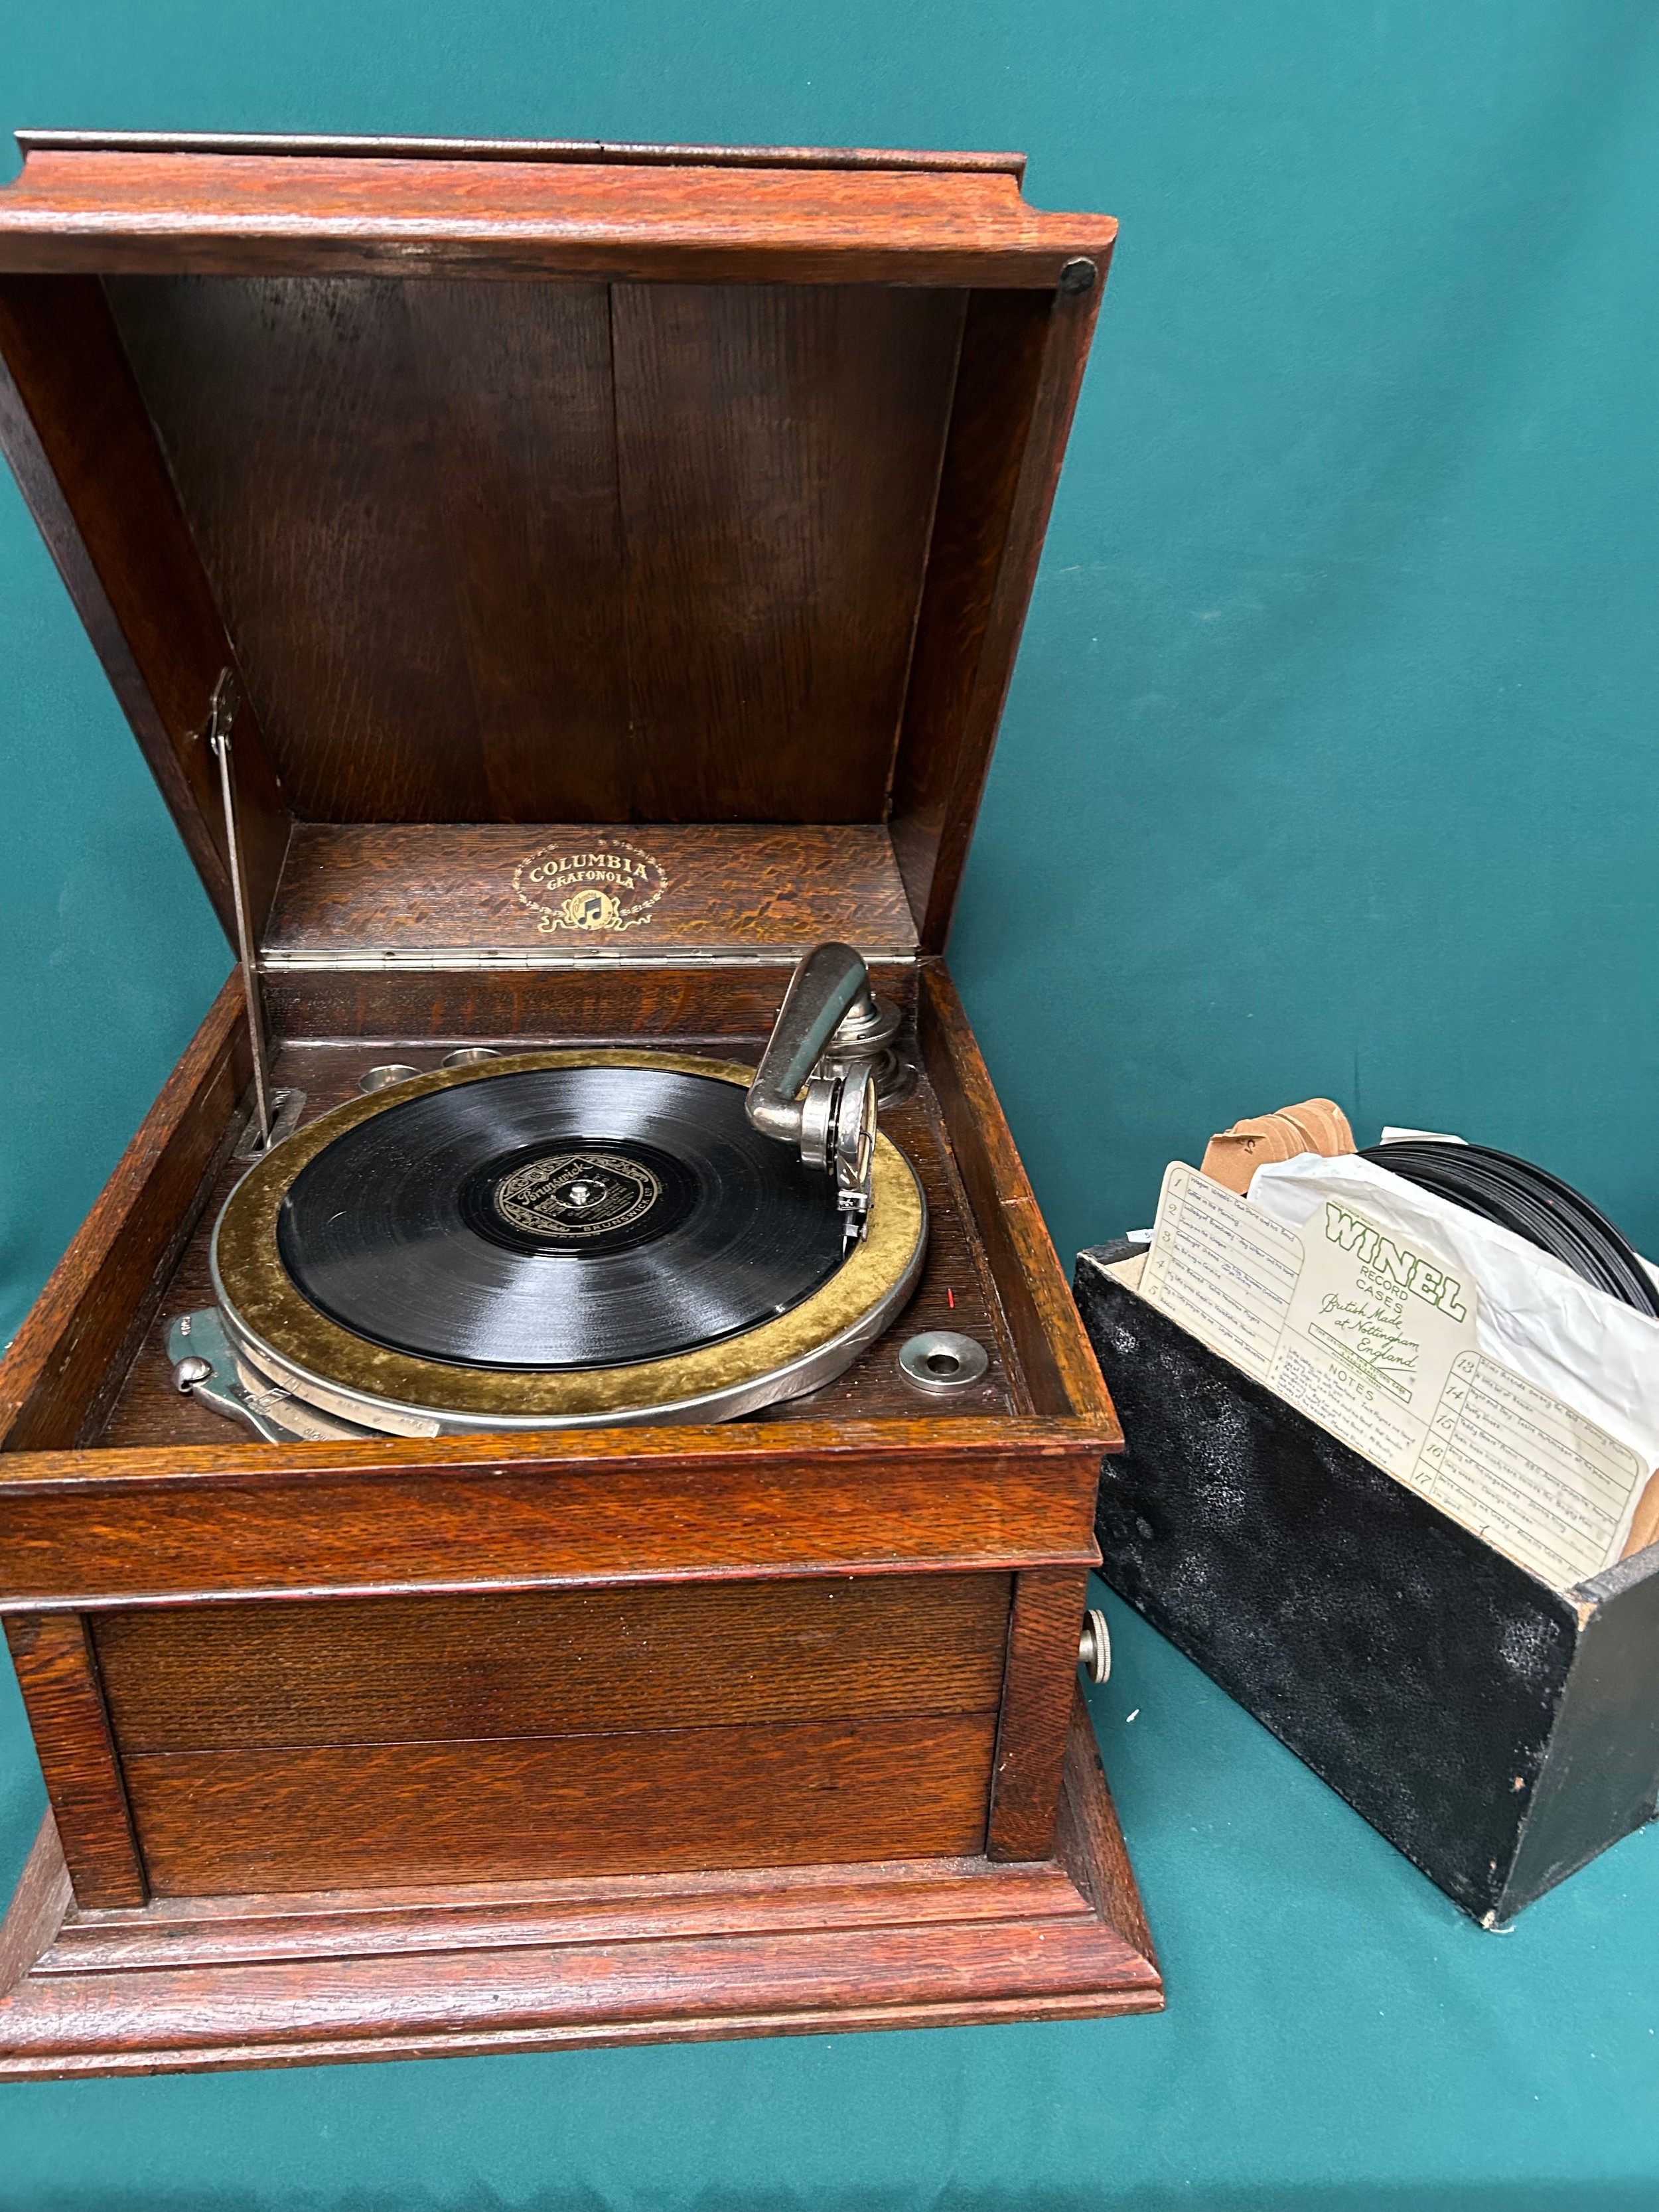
(1094, 1646)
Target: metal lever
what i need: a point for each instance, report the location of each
(1094, 1646)
(815, 1086)
(206, 1369)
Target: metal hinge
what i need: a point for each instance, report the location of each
(447, 959)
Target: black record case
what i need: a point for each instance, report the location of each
(1499, 1732)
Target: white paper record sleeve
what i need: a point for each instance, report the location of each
(1461, 1360)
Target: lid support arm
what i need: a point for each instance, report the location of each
(220, 716)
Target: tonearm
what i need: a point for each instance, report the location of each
(815, 1085)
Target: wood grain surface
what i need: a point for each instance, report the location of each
(944, 743)
(60, 1375)
(413, 888)
(788, 1792)
(1038, 1692)
(1087, 1841)
(495, 1000)
(545, 1663)
(84, 453)
(721, 1988)
(35, 1916)
(58, 1675)
(1012, 542)
(207, 1982)
(304, 215)
(604, 1505)
(572, 553)
(778, 453)
(439, 1917)
(1054, 1350)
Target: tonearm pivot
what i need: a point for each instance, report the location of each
(816, 1087)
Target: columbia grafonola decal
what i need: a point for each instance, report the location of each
(589, 887)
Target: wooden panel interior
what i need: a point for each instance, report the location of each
(74, 428)
(790, 1794)
(551, 1663)
(424, 888)
(63, 1367)
(956, 1290)
(1054, 1355)
(936, 787)
(559, 552)
(556, 551)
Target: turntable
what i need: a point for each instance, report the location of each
(550, 1502)
(572, 1239)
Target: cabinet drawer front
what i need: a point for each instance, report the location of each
(791, 1794)
(401, 1670)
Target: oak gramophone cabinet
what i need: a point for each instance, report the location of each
(672, 511)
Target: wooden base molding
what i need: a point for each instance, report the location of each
(346, 1975)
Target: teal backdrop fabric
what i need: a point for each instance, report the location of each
(1327, 768)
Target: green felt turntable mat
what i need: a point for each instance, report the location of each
(1329, 766)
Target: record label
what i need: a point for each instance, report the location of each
(576, 1195)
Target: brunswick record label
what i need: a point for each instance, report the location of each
(569, 1197)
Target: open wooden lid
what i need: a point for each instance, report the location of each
(667, 516)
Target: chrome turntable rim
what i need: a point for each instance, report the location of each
(280, 1333)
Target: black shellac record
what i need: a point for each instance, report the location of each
(559, 1218)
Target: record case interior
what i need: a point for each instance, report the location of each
(679, 508)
